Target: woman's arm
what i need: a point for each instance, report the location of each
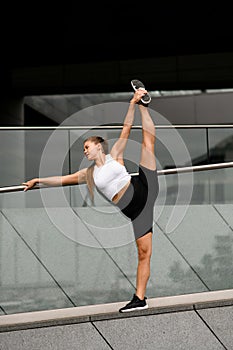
(73, 179)
(117, 151)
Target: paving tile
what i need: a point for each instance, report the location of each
(220, 320)
(72, 337)
(183, 330)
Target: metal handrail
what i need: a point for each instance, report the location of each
(195, 168)
(84, 127)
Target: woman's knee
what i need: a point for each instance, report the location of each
(148, 145)
(144, 252)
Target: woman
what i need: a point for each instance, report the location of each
(134, 195)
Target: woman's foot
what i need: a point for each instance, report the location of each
(135, 304)
(137, 84)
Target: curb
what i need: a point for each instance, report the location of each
(91, 313)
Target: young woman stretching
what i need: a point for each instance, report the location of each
(133, 195)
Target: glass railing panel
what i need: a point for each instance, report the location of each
(12, 157)
(84, 254)
(25, 284)
(220, 144)
(36, 199)
(28, 154)
(166, 259)
(204, 242)
(177, 147)
(192, 240)
(202, 234)
(54, 243)
(197, 187)
(46, 154)
(221, 186)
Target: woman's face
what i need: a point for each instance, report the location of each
(91, 149)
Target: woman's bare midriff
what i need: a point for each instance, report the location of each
(118, 196)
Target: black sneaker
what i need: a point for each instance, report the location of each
(135, 304)
(137, 84)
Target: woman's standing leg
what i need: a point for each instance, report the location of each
(144, 246)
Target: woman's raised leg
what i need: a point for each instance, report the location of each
(148, 139)
(144, 243)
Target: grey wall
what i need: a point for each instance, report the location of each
(202, 108)
(198, 108)
(213, 108)
(11, 111)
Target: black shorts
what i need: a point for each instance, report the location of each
(137, 203)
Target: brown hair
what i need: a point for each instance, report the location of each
(90, 169)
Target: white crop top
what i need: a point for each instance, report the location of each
(111, 177)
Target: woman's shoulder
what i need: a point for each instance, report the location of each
(108, 157)
(115, 160)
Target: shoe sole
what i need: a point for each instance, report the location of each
(135, 309)
(137, 84)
